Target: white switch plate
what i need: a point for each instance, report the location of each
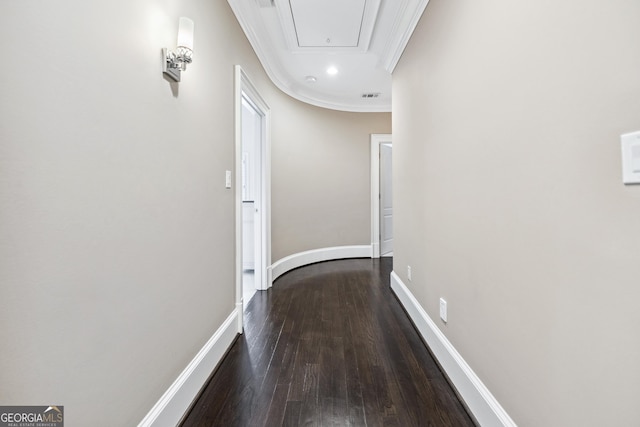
(409, 272)
(227, 179)
(630, 158)
(443, 310)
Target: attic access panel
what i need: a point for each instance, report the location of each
(331, 23)
(347, 24)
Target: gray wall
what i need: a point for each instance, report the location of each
(116, 231)
(509, 201)
(321, 177)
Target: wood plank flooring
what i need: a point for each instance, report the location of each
(328, 345)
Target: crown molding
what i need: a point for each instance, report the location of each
(407, 16)
(405, 23)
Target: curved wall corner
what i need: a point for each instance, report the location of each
(300, 259)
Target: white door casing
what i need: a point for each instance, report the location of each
(244, 88)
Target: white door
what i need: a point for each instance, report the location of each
(386, 204)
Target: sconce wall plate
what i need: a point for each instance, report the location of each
(168, 67)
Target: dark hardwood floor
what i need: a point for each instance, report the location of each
(328, 345)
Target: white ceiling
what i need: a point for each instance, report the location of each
(298, 40)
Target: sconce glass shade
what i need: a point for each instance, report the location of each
(185, 33)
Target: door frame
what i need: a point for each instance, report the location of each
(242, 84)
(376, 140)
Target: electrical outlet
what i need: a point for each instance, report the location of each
(443, 310)
(409, 272)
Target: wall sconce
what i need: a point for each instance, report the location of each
(173, 63)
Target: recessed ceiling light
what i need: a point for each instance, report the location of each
(310, 79)
(332, 71)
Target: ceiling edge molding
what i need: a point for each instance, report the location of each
(392, 56)
(372, 10)
(286, 19)
(341, 106)
(275, 76)
(393, 43)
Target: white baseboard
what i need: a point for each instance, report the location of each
(317, 255)
(240, 321)
(375, 249)
(175, 402)
(482, 404)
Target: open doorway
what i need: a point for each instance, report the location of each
(386, 200)
(251, 197)
(253, 236)
(381, 195)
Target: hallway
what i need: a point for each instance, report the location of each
(328, 345)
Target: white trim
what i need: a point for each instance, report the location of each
(270, 275)
(243, 84)
(238, 184)
(175, 402)
(396, 46)
(317, 255)
(482, 404)
(376, 140)
(254, 28)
